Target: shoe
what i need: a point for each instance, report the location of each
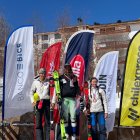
(73, 137)
(67, 136)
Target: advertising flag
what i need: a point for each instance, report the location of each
(51, 59)
(18, 73)
(130, 99)
(77, 53)
(106, 73)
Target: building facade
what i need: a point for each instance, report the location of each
(108, 37)
(41, 42)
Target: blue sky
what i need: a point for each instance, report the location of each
(21, 12)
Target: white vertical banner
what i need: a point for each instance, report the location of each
(106, 73)
(18, 73)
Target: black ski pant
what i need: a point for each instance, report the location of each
(45, 110)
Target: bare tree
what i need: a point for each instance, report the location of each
(37, 23)
(4, 32)
(63, 20)
(80, 21)
(38, 26)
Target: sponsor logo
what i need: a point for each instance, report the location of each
(78, 68)
(51, 69)
(20, 74)
(135, 91)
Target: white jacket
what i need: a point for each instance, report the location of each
(41, 88)
(95, 95)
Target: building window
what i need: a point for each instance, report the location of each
(44, 37)
(107, 30)
(57, 36)
(45, 46)
(102, 30)
(110, 30)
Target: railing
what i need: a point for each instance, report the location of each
(14, 131)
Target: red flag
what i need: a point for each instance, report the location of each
(51, 59)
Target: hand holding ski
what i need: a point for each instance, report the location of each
(59, 101)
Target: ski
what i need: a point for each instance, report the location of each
(52, 133)
(86, 92)
(81, 120)
(57, 89)
(52, 126)
(36, 98)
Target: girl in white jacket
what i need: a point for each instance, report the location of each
(98, 110)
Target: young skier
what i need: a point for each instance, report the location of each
(40, 87)
(69, 90)
(98, 110)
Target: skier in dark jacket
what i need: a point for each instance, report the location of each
(69, 90)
